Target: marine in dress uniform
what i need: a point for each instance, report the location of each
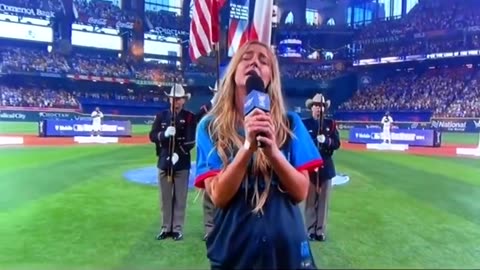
(208, 206)
(327, 139)
(174, 190)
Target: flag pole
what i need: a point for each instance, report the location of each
(216, 47)
(217, 56)
(216, 40)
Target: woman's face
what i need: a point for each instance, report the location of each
(256, 58)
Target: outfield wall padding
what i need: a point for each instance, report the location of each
(72, 128)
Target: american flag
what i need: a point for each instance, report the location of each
(204, 27)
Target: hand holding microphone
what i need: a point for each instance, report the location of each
(258, 124)
(259, 130)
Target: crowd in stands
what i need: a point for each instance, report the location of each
(453, 92)
(100, 66)
(36, 97)
(421, 30)
(469, 103)
(101, 10)
(308, 72)
(156, 72)
(446, 92)
(45, 97)
(28, 60)
(167, 19)
(38, 60)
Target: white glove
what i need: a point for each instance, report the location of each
(170, 132)
(174, 158)
(321, 138)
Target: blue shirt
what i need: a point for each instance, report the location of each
(304, 153)
(274, 239)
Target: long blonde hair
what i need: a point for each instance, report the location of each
(224, 115)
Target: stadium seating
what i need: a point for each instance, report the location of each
(445, 92)
(416, 32)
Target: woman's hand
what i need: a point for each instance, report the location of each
(268, 137)
(259, 128)
(255, 123)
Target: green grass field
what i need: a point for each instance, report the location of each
(70, 207)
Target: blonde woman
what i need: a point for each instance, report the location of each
(258, 223)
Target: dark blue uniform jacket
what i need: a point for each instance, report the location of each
(184, 138)
(332, 143)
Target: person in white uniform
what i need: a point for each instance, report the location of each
(97, 116)
(387, 122)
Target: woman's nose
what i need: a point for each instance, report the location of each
(254, 62)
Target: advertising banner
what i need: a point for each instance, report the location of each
(346, 125)
(25, 11)
(411, 137)
(33, 115)
(456, 124)
(72, 128)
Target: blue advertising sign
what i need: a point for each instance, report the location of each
(470, 125)
(411, 137)
(72, 128)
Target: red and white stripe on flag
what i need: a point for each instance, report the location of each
(204, 27)
(261, 28)
(237, 35)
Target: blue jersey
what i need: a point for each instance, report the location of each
(243, 239)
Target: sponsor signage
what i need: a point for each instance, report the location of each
(346, 125)
(25, 11)
(72, 128)
(411, 137)
(37, 114)
(55, 115)
(104, 22)
(456, 124)
(12, 116)
(167, 32)
(461, 125)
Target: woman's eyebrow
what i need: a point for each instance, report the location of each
(248, 53)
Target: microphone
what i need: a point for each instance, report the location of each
(257, 98)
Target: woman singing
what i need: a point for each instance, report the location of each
(258, 223)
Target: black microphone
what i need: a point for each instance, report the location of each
(257, 98)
